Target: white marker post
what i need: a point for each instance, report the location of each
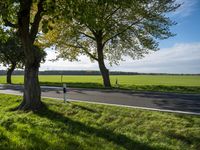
(65, 92)
(116, 83)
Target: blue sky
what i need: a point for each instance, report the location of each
(188, 27)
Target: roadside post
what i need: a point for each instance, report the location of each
(65, 92)
(116, 83)
(61, 78)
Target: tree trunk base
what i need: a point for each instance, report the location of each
(32, 92)
(105, 76)
(30, 107)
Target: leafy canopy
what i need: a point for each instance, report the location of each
(11, 51)
(124, 28)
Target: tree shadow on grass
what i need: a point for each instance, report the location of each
(83, 108)
(190, 140)
(76, 127)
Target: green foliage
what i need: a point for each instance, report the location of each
(90, 126)
(11, 51)
(124, 28)
(9, 15)
(8, 11)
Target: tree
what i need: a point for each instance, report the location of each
(26, 16)
(11, 55)
(109, 30)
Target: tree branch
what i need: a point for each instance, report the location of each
(10, 24)
(93, 31)
(91, 37)
(92, 56)
(86, 51)
(121, 31)
(112, 13)
(37, 19)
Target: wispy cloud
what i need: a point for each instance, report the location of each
(181, 58)
(83, 64)
(187, 7)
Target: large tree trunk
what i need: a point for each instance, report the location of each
(104, 71)
(105, 74)
(9, 73)
(28, 33)
(32, 92)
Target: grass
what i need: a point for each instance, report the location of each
(162, 83)
(79, 126)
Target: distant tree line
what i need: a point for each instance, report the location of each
(86, 72)
(70, 72)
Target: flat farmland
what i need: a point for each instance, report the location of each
(169, 83)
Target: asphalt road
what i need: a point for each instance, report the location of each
(188, 103)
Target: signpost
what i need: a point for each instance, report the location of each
(65, 92)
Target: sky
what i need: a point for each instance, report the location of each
(178, 54)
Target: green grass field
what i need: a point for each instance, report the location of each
(76, 126)
(165, 83)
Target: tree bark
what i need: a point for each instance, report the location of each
(32, 92)
(104, 71)
(105, 74)
(9, 73)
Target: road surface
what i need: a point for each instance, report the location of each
(184, 103)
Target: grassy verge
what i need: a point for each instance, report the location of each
(90, 126)
(164, 88)
(159, 83)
